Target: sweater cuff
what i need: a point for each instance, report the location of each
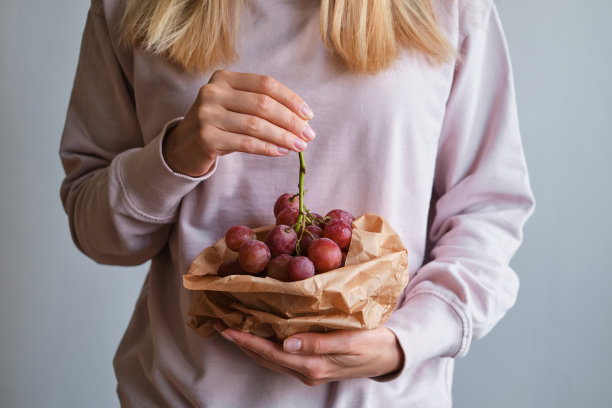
(152, 190)
(427, 326)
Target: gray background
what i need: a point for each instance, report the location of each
(552, 349)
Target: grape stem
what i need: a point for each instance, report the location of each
(300, 219)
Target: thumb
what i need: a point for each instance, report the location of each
(316, 343)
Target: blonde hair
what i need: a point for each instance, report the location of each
(367, 35)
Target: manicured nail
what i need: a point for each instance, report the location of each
(227, 337)
(282, 150)
(300, 144)
(292, 345)
(306, 111)
(308, 132)
(221, 329)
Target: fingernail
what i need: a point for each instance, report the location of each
(306, 111)
(292, 345)
(282, 150)
(221, 329)
(227, 337)
(300, 144)
(308, 132)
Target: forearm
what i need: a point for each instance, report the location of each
(121, 212)
(480, 202)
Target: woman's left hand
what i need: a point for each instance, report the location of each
(318, 358)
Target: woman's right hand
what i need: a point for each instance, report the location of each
(238, 112)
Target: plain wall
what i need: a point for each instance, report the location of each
(62, 315)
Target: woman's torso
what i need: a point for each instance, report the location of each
(375, 151)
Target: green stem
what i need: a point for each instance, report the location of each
(300, 220)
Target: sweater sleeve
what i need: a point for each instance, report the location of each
(481, 199)
(120, 196)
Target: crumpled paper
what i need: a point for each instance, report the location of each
(360, 295)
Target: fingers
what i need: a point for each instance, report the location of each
(266, 107)
(336, 342)
(271, 355)
(315, 358)
(263, 84)
(255, 114)
(262, 131)
(228, 142)
(366, 353)
(284, 370)
(238, 112)
(258, 115)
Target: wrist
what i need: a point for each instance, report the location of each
(396, 360)
(393, 362)
(178, 153)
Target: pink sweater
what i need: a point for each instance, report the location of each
(433, 149)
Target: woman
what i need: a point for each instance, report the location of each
(415, 119)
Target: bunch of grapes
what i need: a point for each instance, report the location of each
(301, 244)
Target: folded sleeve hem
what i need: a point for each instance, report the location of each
(151, 189)
(428, 325)
(167, 128)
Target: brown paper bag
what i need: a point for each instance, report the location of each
(360, 295)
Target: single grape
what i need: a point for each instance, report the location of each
(344, 255)
(288, 216)
(238, 270)
(226, 269)
(238, 235)
(254, 256)
(286, 201)
(339, 232)
(342, 215)
(300, 268)
(317, 220)
(307, 239)
(281, 240)
(325, 254)
(315, 230)
(230, 268)
(277, 268)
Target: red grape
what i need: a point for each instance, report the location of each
(277, 268)
(281, 240)
(238, 235)
(341, 215)
(325, 254)
(226, 269)
(339, 232)
(315, 230)
(288, 216)
(231, 268)
(306, 239)
(344, 255)
(286, 201)
(317, 220)
(300, 268)
(238, 270)
(254, 256)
